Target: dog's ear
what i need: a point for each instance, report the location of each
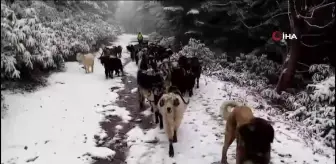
(176, 102)
(161, 103)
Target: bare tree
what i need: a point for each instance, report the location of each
(298, 24)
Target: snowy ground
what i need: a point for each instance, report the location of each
(57, 124)
(200, 137)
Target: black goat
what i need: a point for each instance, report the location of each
(131, 49)
(118, 51)
(178, 79)
(111, 64)
(192, 73)
(183, 62)
(196, 69)
(150, 87)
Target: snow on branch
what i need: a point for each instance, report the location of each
(193, 12)
(173, 8)
(43, 35)
(324, 90)
(193, 32)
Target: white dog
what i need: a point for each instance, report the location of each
(172, 107)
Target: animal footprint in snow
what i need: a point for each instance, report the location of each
(285, 155)
(85, 138)
(217, 162)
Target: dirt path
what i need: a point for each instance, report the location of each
(116, 139)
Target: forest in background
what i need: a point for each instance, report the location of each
(233, 38)
(37, 36)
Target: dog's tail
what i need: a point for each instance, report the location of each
(226, 107)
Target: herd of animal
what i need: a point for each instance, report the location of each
(109, 58)
(163, 82)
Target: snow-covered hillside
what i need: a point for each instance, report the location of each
(62, 123)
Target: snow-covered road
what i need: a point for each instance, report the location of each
(60, 124)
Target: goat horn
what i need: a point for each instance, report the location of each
(179, 93)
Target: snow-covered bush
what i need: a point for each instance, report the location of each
(315, 106)
(205, 55)
(37, 35)
(166, 42)
(246, 70)
(155, 37)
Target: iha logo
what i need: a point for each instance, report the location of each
(277, 36)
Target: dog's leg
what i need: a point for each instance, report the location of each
(197, 82)
(154, 114)
(122, 71)
(175, 137)
(86, 69)
(161, 120)
(117, 72)
(158, 119)
(230, 135)
(92, 68)
(177, 123)
(191, 92)
(106, 73)
(140, 99)
(152, 107)
(170, 133)
(171, 149)
(111, 74)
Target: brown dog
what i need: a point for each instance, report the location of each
(254, 135)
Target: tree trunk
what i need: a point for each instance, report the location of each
(287, 75)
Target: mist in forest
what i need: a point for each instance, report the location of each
(135, 16)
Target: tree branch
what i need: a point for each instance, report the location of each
(309, 35)
(303, 64)
(311, 46)
(320, 26)
(318, 7)
(221, 5)
(250, 27)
